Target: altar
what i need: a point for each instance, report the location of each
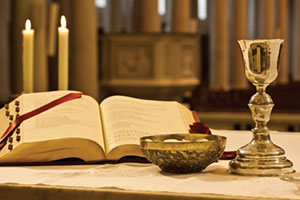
(147, 181)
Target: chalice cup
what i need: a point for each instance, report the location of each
(261, 157)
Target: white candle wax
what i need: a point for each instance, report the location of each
(28, 47)
(63, 55)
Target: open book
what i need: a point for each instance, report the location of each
(80, 128)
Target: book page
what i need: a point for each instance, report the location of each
(78, 118)
(187, 116)
(126, 119)
(4, 121)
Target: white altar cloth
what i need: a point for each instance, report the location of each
(147, 177)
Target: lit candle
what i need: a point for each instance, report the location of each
(63, 54)
(28, 47)
(258, 58)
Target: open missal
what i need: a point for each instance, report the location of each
(81, 128)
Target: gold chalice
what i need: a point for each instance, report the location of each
(261, 156)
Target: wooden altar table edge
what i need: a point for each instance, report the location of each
(28, 192)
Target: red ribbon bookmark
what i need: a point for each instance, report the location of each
(35, 112)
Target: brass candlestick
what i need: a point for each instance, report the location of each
(261, 157)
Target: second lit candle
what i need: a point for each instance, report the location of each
(63, 55)
(28, 46)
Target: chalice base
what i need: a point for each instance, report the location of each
(252, 160)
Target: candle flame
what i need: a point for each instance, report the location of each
(63, 21)
(27, 24)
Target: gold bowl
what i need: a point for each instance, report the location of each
(183, 153)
